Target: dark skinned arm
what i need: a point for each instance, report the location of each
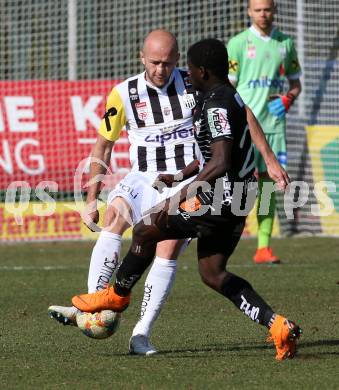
(169, 180)
(216, 167)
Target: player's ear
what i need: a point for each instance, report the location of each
(249, 12)
(142, 57)
(204, 73)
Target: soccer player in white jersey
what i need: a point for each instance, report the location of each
(156, 108)
(261, 58)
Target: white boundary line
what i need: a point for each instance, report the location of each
(181, 266)
(41, 268)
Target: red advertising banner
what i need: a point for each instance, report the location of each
(48, 127)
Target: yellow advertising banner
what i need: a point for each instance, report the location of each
(36, 221)
(323, 145)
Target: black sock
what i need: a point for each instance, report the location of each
(129, 272)
(241, 293)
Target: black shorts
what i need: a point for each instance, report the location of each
(216, 233)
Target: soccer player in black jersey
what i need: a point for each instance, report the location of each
(212, 208)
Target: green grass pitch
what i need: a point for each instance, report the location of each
(204, 342)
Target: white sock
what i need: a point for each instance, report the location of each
(157, 287)
(104, 261)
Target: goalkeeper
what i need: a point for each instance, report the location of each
(260, 59)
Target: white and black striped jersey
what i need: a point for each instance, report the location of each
(220, 114)
(158, 122)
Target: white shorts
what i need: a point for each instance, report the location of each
(136, 189)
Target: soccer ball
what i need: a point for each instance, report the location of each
(98, 325)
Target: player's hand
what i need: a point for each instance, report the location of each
(162, 181)
(280, 104)
(278, 174)
(90, 217)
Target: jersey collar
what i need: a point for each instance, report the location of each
(211, 92)
(263, 37)
(164, 88)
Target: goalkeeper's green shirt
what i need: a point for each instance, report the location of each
(260, 65)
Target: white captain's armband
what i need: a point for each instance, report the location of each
(218, 122)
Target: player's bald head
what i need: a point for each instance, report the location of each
(271, 3)
(160, 40)
(159, 55)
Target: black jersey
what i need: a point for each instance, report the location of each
(220, 114)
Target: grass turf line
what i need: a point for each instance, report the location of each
(204, 342)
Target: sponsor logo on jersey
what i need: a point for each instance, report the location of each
(133, 94)
(189, 100)
(167, 110)
(233, 66)
(251, 52)
(167, 137)
(218, 122)
(266, 82)
(141, 110)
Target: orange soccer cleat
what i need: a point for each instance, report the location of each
(106, 299)
(284, 334)
(265, 255)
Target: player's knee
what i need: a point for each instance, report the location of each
(146, 236)
(212, 278)
(142, 233)
(144, 241)
(208, 278)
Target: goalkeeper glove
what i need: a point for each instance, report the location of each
(280, 105)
